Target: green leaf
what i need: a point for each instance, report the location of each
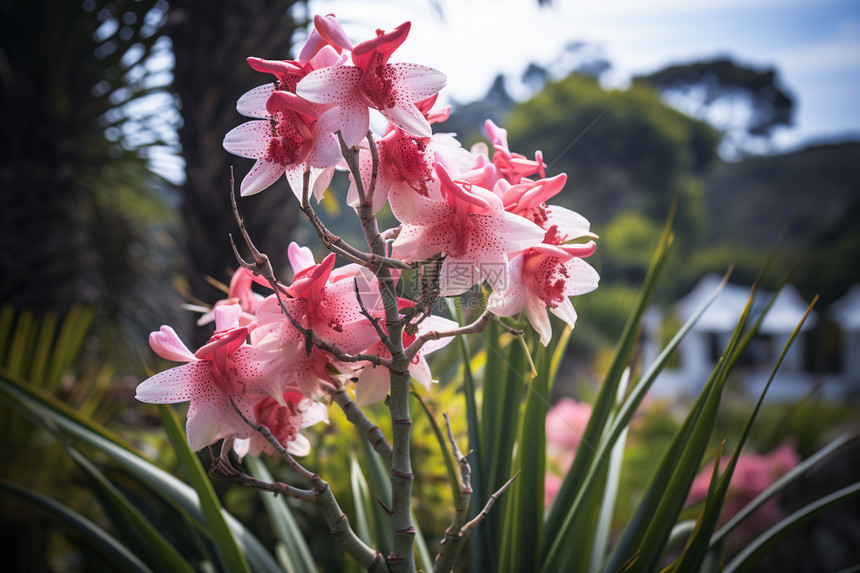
(745, 560)
(68, 343)
(524, 502)
(298, 558)
(152, 543)
(507, 395)
(117, 553)
(698, 545)
(777, 486)
(361, 498)
(447, 454)
(182, 498)
(425, 561)
(378, 478)
(556, 541)
(227, 549)
(481, 547)
(610, 491)
(649, 529)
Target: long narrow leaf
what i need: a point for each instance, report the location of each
(582, 463)
(424, 560)
(695, 551)
(379, 481)
(447, 454)
(226, 547)
(523, 527)
(181, 496)
(481, 548)
(610, 491)
(651, 524)
(152, 542)
(42, 350)
(777, 486)
(762, 544)
(362, 502)
(299, 558)
(98, 538)
(500, 441)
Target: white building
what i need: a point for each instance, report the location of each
(703, 345)
(846, 314)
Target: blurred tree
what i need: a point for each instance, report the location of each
(622, 150)
(742, 101)
(210, 43)
(467, 119)
(80, 207)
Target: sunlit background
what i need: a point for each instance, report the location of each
(114, 211)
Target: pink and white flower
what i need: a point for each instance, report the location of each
(373, 382)
(372, 82)
(321, 301)
(543, 277)
(471, 228)
(288, 140)
(221, 373)
(284, 421)
(240, 293)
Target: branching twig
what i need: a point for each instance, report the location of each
(477, 326)
(370, 430)
(222, 469)
(459, 531)
(336, 244)
(469, 527)
(453, 541)
(337, 521)
(262, 266)
(380, 332)
(402, 557)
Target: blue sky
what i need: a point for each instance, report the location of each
(814, 44)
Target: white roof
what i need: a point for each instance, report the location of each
(846, 311)
(723, 314)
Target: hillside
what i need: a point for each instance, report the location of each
(813, 194)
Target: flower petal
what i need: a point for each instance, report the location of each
(300, 257)
(569, 223)
(582, 278)
(372, 385)
(335, 84)
(250, 140)
(300, 446)
(420, 371)
(536, 313)
(253, 103)
(566, 312)
(416, 82)
(179, 384)
(408, 118)
(261, 176)
(512, 300)
(166, 343)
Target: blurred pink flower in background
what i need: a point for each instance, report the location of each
(565, 425)
(753, 474)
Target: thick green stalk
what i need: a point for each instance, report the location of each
(402, 557)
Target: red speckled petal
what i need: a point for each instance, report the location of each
(179, 384)
(250, 140)
(260, 177)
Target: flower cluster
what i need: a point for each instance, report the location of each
(466, 217)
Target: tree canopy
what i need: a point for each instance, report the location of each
(741, 100)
